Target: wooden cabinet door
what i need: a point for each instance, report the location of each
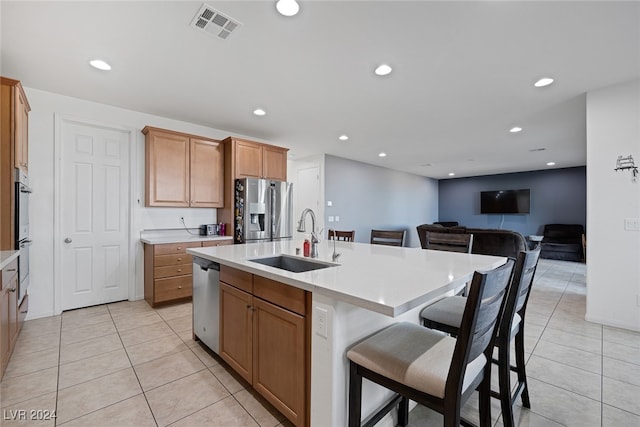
(236, 334)
(275, 163)
(4, 329)
(248, 160)
(21, 130)
(279, 358)
(207, 174)
(13, 310)
(167, 171)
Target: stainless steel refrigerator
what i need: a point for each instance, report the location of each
(263, 210)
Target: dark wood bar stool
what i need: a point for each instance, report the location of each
(388, 237)
(446, 315)
(347, 236)
(449, 242)
(430, 367)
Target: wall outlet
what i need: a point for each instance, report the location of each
(329, 203)
(337, 218)
(632, 224)
(321, 322)
(330, 219)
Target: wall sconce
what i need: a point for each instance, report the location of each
(625, 163)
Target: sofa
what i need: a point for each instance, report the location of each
(563, 242)
(486, 241)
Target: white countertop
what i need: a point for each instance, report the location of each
(384, 279)
(6, 257)
(157, 237)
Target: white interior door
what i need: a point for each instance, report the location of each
(307, 195)
(94, 214)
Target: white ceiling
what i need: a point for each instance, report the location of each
(463, 73)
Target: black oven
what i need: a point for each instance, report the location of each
(23, 193)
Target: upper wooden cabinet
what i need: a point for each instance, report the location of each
(14, 137)
(183, 170)
(249, 159)
(255, 160)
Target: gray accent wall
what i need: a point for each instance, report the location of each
(367, 197)
(558, 196)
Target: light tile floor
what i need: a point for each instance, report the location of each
(126, 364)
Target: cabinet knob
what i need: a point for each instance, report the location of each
(11, 269)
(179, 270)
(12, 289)
(68, 240)
(179, 287)
(179, 259)
(179, 247)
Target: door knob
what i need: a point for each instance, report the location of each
(68, 240)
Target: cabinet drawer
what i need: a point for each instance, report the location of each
(8, 272)
(174, 248)
(239, 279)
(172, 270)
(173, 288)
(285, 296)
(165, 260)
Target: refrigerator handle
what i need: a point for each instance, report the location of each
(272, 211)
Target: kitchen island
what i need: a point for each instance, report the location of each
(368, 288)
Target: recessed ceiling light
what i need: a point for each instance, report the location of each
(259, 112)
(100, 64)
(383, 70)
(382, 154)
(452, 174)
(515, 129)
(545, 81)
(287, 7)
(551, 163)
(343, 137)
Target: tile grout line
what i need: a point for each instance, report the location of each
(132, 368)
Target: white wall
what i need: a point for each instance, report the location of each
(44, 105)
(613, 253)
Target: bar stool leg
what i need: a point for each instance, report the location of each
(520, 367)
(355, 396)
(504, 380)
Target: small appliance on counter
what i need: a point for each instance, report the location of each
(209, 229)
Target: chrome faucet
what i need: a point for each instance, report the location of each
(314, 237)
(335, 255)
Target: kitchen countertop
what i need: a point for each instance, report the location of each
(6, 257)
(157, 237)
(384, 279)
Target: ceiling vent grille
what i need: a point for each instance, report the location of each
(214, 23)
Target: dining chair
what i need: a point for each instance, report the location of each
(430, 367)
(446, 315)
(347, 236)
(452, 242)
(388, 237)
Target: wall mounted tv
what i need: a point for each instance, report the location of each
(505, 202)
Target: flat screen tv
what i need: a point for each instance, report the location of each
(505, 202)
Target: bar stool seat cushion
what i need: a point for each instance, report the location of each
(448, 311)
(413, 355)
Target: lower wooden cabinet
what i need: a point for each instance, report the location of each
(10, 320)
(168, 270)
(265, 337)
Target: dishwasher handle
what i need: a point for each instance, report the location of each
(206, 264)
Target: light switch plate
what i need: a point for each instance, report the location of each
(337, 218)
(321, 322)
(330, 219)
(329, 203)
(632, 224)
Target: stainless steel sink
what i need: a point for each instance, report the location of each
(293, 264)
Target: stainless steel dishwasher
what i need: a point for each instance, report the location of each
(206, 302)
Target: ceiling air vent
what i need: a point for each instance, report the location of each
(214, 23)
